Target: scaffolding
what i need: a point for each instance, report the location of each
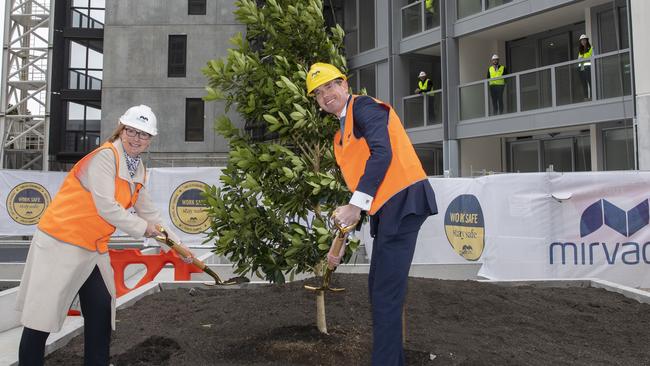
(25, 93)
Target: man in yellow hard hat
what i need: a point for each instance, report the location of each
(381, 168)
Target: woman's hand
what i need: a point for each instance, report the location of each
(152, 231)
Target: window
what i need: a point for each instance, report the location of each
(85, 65)
(82, 126)
(194, 119)
(177, 57)
(87, 14)
(619, 148)
(359, 28)
(367, 80)
(367, 25)
(196, 7)
(568, 153)
(612, 27)
(547, 48)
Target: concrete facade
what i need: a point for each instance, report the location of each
(135, 72)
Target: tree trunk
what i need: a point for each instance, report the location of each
(321, 320)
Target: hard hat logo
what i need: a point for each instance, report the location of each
(315, 74)
(143, 118)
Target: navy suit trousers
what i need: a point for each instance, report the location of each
(387, 283)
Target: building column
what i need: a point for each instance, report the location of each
(450, 81)
(639, 9)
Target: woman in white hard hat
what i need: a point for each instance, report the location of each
(585, 51)
(69, 251)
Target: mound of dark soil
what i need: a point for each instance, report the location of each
(448, 323)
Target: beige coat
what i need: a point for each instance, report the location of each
(55, 271)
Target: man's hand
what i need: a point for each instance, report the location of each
(347, 215)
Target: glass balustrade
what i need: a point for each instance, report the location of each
(420, 16)
(550, 86)
(416, 107)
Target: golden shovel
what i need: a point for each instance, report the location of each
(165, 239)
(337, 243)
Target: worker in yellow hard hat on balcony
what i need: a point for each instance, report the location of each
(387, 181)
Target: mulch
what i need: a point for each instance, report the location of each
(448, 323)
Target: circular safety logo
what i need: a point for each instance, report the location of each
(465, 226)
(188, 209)
(26, 203)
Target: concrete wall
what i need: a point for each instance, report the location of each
(475, 54)
(480, 153)
(135, 67)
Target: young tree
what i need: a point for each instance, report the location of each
(270, 217)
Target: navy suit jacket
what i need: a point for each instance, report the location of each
(405, 211)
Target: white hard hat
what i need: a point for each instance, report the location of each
(495, 57)
(142, 118)
(422, 74)
(584, 36)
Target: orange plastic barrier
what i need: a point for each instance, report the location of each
(121, 258)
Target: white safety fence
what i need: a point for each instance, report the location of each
(517, 226)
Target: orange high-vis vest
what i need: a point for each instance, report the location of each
(352, 154)
(72, 216)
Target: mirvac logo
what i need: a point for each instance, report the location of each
(620, 225)
(26, 203)
(465, 226)
(188, 209)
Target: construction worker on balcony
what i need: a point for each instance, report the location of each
(69, 251)
(585, 51)
(496, 84)
(381, 168)
(424, 83)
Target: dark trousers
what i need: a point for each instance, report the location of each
(387, 283)
(96, 309)
(496, 94)
(585, 80)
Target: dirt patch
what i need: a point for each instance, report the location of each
(449, 323)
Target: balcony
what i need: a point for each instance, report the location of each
(559, 87)
(466, 8)
(416, 107)
(420, 16)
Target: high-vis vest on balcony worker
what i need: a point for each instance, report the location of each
(428, 4)
(586, 55)
(497, 73)
(352, 154)
(72, 217)
(423, 85)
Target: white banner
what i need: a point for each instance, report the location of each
(177, 194)
(519, 226)
(574, 225)
(24, 195)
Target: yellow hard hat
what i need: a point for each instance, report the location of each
(321, 73)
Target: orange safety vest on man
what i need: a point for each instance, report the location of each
(72, 216)
(352, 154)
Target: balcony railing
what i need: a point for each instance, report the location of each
(466, 8)
(550, 86)
(416, 107)
(80, 79)
(412, 20)
(81, 20)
